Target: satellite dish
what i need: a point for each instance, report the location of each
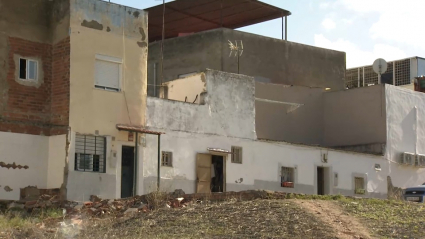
(380, 66)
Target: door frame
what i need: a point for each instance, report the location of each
(118, 169)
(225, 156)
(328, 179)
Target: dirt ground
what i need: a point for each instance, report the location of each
(332, 217)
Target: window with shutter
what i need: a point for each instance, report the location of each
(108, 73)
(236, 154)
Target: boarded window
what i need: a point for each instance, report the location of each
(90, 153)
(108, 73)
(167, 159)
(359, 185)
(287, 177)
(236, 154)
(28, 69)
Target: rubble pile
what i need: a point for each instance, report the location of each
(98, 207)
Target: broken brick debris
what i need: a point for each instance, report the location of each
(98, 207)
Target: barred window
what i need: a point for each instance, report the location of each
(359, 185)
(90, 153)
(287, 177)
(167, 159)
(236, 154)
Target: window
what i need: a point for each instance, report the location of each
(28, 69)
(359, 185)
(287, 177)
(236, 154)
(90, 153)
(167, 159)
(108, 73)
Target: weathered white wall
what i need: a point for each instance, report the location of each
(262, 161)
(105, 185)
(23, 149)
(355, 117)
(406, 133)
(190, 87)
(56, 161)
(229, 108)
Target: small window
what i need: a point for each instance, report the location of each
(359, 185)
(90, 153)
(167, 159)
(287, 177)
(28, 69)
(108, 73)
(236, 154)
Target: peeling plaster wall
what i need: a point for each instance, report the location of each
(260, 169)
(99, 27)
(23, 149)
(402, 118)
(229, 108)
(56, 161)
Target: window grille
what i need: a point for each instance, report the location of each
(90, 153)
(167, 159)
(287, 177)
(359, 185)
(236, 154)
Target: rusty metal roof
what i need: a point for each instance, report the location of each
(190, 16)
(138, 129)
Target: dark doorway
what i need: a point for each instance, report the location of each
(320, 181)
(217, 174)
(127, 171)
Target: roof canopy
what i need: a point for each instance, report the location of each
(190, 16)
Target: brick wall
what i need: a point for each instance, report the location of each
(41, 109)
(60, 88)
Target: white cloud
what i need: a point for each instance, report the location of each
(328, 24)
(324, 5)
(355, 55)
(397, 21)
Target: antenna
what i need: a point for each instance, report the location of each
(237, 49)
(379, 66)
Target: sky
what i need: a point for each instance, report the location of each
(364, 29)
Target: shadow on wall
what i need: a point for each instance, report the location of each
(408, 128)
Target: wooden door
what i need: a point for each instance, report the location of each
(203, 173)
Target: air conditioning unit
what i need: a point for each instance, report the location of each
(420, 160)
(408, 159)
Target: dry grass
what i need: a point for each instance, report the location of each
(389, 219)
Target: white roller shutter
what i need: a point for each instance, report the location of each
(107, 74)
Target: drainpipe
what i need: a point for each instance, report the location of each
(416, 130)
(154, 79)
(136, 154)
(159, 162)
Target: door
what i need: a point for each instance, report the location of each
(320, 181)
(127, 171)
(203, 173)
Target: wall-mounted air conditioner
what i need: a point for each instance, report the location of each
(420, 160)
(407, 158)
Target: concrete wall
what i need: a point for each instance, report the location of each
(267, 59)
(228, 110)
(303, 125)
(188, 88)
(99, 27)
(39, 162)
(261, 164)
(405, 132)
(355, 117)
